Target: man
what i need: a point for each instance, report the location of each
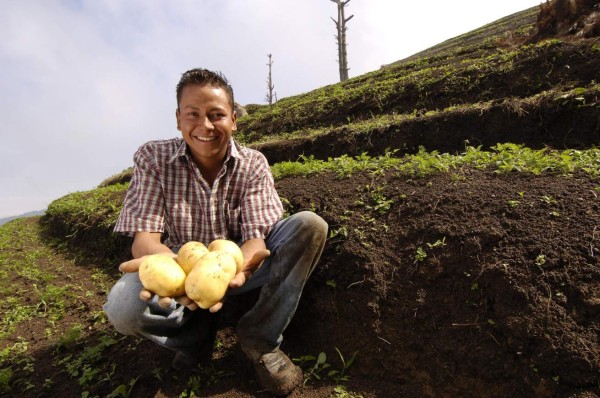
(205, 186)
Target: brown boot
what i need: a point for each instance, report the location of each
(276, 372)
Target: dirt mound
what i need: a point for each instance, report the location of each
(580, 18)
(472, 285)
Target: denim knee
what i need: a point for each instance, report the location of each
(123, 306)
(312, 224)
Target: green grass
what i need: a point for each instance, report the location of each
(502, 159)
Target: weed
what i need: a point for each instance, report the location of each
(89, 364)
(437, 243)
(340, 375)
(420, 255)
(338, 234)
(315, 367)
(342, 392)
(69, 337)
(379, 203)
(548, 199)
(124, 390)
(208, 375)
(513, 203)
(540, 260)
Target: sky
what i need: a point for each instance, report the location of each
(83, 83)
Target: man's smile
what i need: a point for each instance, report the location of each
(205, 139)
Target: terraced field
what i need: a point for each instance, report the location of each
(461, 189)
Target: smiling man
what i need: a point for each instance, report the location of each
(202, 187)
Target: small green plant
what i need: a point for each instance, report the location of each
(437, 243)
(69, 337)
(338, 234)
(540, 260)
(340, 375)
(315, 367)
(342, 392)
(420, 255)
(124, 390)
(548, 199)
(513, 203)
(5, 377)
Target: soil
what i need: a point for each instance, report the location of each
(504, 303)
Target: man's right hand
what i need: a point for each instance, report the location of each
(147, 295)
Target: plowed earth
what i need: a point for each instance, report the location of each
(470, 284)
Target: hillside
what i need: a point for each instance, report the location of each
(461, 189)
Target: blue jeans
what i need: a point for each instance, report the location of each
(296, 244)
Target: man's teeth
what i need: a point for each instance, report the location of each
(205, 138)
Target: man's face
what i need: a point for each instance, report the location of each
(206, 122)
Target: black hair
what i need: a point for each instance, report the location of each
(204, 77)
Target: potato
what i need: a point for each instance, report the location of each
(189, 255)
(162, 275)
(230, 247)
(209, 279)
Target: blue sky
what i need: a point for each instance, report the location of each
(83, 83)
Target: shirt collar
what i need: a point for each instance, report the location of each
(181, 151)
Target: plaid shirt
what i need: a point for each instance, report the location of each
(167, 194)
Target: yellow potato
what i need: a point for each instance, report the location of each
(209, 279)
(162, 275)
(230, 247)
(189, 255)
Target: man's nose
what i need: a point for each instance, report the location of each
(206, 123)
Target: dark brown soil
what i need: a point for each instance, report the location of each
(506, 303)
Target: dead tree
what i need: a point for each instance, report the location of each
(341, 38)
(271, 96)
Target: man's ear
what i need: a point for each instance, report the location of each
(177, 117)
(234, 119)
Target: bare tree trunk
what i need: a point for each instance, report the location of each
(341, 38)
(271, 96)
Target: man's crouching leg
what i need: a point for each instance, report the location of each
(296, 244)
(189, 333)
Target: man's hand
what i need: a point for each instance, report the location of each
(146, 295)
(250, 266)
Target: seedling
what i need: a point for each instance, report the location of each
(318, 365)
(339, 234)
(513, 203)
(420, 255)
(342, 392)
(339, 375)
(540, 260)
(437, 243)
(548, 199)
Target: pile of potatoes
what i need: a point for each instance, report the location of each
(202, 273)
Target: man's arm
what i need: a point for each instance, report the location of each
(144, 243)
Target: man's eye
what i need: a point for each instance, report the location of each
(192, 114)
